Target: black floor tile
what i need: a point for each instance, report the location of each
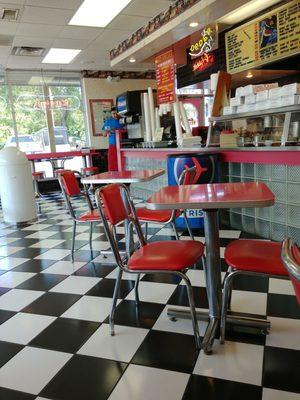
(20, 234)
(7, 394)
(216, 389)
(95, 269)
(4, 290)
(245, 334)
(144, 316)
(83, 256)
(281, 369)
(23, 242)
(68, 244)
(5, 315)
(34, 266)
(54, 304)
(42, 282)
(29, 253)
(105, 288)
(85, 378)
(7, 351)
(167, 350)
(180, 297)
(282, 306)
(2, 271)
(251, 283)
(65, 334)
(162, 278)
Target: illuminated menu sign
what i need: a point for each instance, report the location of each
(271, 37)
(165, 77)
(204, 42)
(203, 62)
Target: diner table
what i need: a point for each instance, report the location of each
(210, 198)
(126, 177)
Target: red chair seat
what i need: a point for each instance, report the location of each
(159, 216)
(38, 175)
(90, 169)
(255, 255)
(92, 216)
(168, 255)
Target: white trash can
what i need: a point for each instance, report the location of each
(16, 187)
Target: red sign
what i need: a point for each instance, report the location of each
(165, 77)
(204, 62)
(49, 104)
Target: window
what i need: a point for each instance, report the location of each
(7, 133)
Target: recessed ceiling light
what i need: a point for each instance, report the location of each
(60, 56)
(249, 75)
(98, 13)
(194, 24)
(132, 60)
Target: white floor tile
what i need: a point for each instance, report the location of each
(234, 361)
(196, 277)
(47, 243)
(126, 275)
(284, 333)
(9, 263)
(23, 327)
(76, 285)
(97, 245)
(6, 240)
(41, 235)
(36, 227)
(227, 234)
(153, 292)
(271, 394)
(249, 302)
(165, 232)
(184, 326)
(17, 299)
(9, 250)
(90, 308)
(12, 279)
(53, 254)
(139, 382)
(6, 232)
(31, 369)
(79, 228)
(120, 347)
(281, 286)
(64, 268)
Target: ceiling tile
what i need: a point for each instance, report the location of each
(80, 32)
(13, 2)
(70, 43)
(66, 4)
(127, 22)
(32, 41)
(43, 15)
(146, 8)
(44, 31)
(8, 28)
(17, 62)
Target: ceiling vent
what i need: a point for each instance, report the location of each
(9, 14)
(28, 51)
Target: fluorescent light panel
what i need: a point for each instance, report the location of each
(98, 13)
(247, 10)
(60, 56)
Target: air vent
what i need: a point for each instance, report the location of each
(28, 51)
(9, 14)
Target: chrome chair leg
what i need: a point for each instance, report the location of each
(91, 235)
(175, 230)
(188, 225)
(114, 303)
(193, 310)
(136, 289)
(146, 231)
(73, 241)
(225, 302)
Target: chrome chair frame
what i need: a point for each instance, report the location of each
(111, 236)
(288, 259)
(173, 217)
(73, 215)
(227, 291)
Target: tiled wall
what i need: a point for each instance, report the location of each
(276, 223)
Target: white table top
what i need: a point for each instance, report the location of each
(123, 176)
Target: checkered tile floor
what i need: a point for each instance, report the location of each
(55, 342)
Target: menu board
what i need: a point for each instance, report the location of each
(271, 37)
(165, 77)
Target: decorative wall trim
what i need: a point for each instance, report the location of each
(116, 75)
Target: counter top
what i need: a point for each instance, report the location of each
(214, 149)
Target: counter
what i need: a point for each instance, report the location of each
(278, 167)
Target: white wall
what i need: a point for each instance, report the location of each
(94, 88)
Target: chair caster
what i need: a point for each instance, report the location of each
(173, 319)
(112, 333)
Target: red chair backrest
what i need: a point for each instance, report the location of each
(112, 200)
(70, 184)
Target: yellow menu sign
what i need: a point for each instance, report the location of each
(266, 39)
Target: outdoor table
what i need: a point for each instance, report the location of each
(210, 198)
(126, 177)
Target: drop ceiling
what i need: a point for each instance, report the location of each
(44, 23)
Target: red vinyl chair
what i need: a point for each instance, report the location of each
(36, 177)
(165, 217)
(87, 171)
(169, 257)
(290, 255)
(250, 257)
(71, 189)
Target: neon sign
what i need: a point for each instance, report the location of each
(204, 62)
(30, 102)
(207, 42)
